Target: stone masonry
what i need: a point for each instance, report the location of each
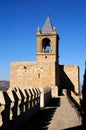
(46, 71)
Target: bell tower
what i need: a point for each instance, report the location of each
(47, 43)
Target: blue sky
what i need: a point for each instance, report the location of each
(19, 20)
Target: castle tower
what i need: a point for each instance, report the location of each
(47, 43)
(48, 52)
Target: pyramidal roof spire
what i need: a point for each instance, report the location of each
(47, 28)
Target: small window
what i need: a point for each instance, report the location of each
(25, 67)
(38, 75)
(45, 57)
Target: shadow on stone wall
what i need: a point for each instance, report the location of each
(69, 88)
(65, 83)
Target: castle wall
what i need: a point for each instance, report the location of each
(69, 80)
(32, 74)
(72, 72)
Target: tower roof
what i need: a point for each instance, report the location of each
(47, 28)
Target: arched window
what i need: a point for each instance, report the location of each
(46, 47)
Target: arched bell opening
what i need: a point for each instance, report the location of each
(46, 47)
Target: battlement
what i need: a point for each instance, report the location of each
(19, 105)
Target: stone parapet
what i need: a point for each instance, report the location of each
(17, 105)
(54, 91)
(45, 96)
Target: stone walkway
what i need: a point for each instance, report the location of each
(66, 116)
(59, 114)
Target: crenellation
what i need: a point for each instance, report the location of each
(18, 105)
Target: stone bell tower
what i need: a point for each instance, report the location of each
(48, 53)
(47, 43)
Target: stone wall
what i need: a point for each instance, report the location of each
(72, 72)
(32, 74)
(46, 74)
(46, 57)
(69, 80)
